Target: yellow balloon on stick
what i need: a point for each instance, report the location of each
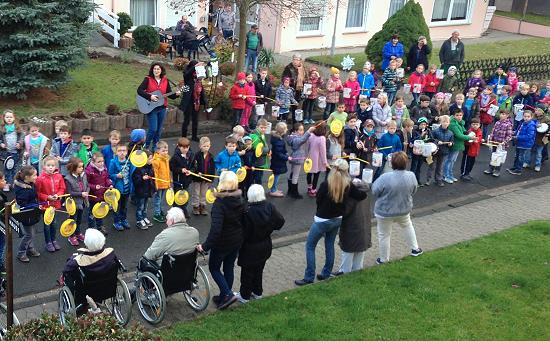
(49, 215)
(67, 228)
(70, 205)
(138, 158)
(308, 164)
(100, 210)
(270, 181)
(181, 197)
(259, 149)
(210, 197)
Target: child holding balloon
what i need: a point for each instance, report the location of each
(120, 172)
(180, 165)
(77, 186)
(144, 188)
(279, 157)
(203, 163)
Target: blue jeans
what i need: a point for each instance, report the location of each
(78, 220)
(329, 230)
(251, 59)
(416, 97)
(155, 119)
(93, 222)
(523, 155)
(391, 96)
(120, 214)
(157, 201)
(141, 208)
(223, 280)
(258, 175)
(449, 164)
(10, 173)
(49, 232)
(227, 34)
(537, 151)
(275, 183)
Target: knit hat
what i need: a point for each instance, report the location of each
(440, 94)
(500, 66)
(334, 70)
(422, 120)
(137, 135)
(241, 76)
(94, 240)
(453, 68)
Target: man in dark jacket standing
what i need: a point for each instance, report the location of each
(254, 43)
(452, 52)
(418, 54)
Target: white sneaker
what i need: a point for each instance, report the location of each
(240, 298)
(256, 297)
(537, 168)
(525, 165)
(6, 188)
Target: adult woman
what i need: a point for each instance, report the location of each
(418, 54)
(192, 98)
(393, 192)
(331, 199)
(225, 237)
(155, 81)
(392, 49)
(297, 73)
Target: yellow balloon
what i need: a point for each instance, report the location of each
(259, 149)
(170, 196)
(182, 197)
(100, 210)
(138, 158)
(308, 163)
(67, 228)
(114, 205)
(241, 174)
(49, 214)
(70, 205)
(111, 195)
(270, 181)
(336, 127)
(210, 197)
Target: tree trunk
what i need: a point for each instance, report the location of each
(243, 10)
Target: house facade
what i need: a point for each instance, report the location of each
(358, 20)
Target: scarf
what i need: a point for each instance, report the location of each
(368, 133)
(10, 128)
(300, 77)
(485, 99)
(96, 167)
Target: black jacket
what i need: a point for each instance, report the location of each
(355, 231)
(327, 208)
(200, 165)
(25, 196)
(226, 229)
(143, 188)
(448, 56)
(189, 79)
(413, 60)
(177, 162)
(260, 220)
(264, 89)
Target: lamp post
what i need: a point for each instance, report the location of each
(333, 45)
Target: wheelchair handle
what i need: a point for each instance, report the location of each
(122, 267)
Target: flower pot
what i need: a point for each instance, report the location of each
(80, 121)
(59, 116)
(100, 121)
(134, 119)
(24, 124)
(117, 122)
(125, 43)
(45, 124)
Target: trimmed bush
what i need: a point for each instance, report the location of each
(125, 22)
(409, 23)
(146, 39)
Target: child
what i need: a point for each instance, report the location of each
(476, 82)
(351, 135)
(502, 134)
(459, 105)
(423, 133)
(388, 144)
(364, 112)
(352, 84)
(109, 150)
(161, 168)
(366, 80)
(180, 165)
(316, 83)
(423, 110)
(63, 148)
(389, 81)
(228, 159)
(285, 98)
(247, 160)
(473, 150)
(456, 127)
(381, 114)
(534, 92)
(417, 81)
(317, 146)
(449, 84)
(525, 139)
(334, 87)
(77, 186)
(25, 196)
(513, 80)
(498, 79)
(522, 98)
(87, 147)
(137, 140)
(367, 141)
(262, 161)
(49, 186)
(335, 148)
(144, 188)
(279, 157)
(443, 138)
(250, 100)
(471, 103)
(35, 147)
(485, 101)
(504, 100)
(120, 172)
(545, 92)
(99, 181)
(297, 142)
(406, 136)
(538, 148)
(399, 111)
(203, 163)
(439, 106)
(432, 82)
(59, 124)
(263, 87)
(237, 95)
(238, 134)
(11, 140)
(340, 114)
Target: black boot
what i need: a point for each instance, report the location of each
(289, 191)
(294, 193)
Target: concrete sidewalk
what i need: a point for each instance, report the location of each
(503, 208)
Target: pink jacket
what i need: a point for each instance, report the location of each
(334, 87)
(316, 83)
(355, 89)
(317, 151)
(250, 91)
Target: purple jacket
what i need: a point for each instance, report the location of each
(317, 146)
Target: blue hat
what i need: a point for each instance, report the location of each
(137, 135)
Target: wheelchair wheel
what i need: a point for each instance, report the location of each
(150, 297)
(66, 306)
(4, 321)
(120, 306)
(199, 296)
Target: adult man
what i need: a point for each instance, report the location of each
(177, 238)
(184, 24)
(254, 44)
(227, 22)
(452, 52)
(418, 54)
(214, 17)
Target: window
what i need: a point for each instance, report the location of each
(143, 12)
(311, 16)
(450, 10)
(356, 13)
(395, 5)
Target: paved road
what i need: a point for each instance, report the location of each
(41, 273)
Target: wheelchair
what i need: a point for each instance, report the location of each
(177, 273)
(109, 292)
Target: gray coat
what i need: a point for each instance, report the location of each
(73, 188)
(393, 192)
(299, 147)
(355, 231)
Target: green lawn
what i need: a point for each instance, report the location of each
(493, 288)
(531, 46)
(529, 17)
(95, 85)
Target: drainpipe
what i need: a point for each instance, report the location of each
(523, 15)
(333, 45)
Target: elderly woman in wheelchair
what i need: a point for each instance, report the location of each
(91, 283)
(170, 266)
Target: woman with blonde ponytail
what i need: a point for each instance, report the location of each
(331, 197)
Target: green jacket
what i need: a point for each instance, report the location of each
(459, 132)
(263, 160)
(449, 84)
(403, 117)
(82, 154)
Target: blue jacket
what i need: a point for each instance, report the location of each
(526, 134)
(279, 156)
(70, 150)
(115, 167)
(497, 80)
(390, 50)
(443, 135)
(366, 82)
(392, 140)
(108, 154)
(225, 161)
(364, 115)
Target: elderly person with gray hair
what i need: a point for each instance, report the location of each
(418, 54)
(297, 73)
(260, 220)
(177, 238)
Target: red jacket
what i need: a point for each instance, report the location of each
(474, 147)
(95, 177)
(50, 184)
(416, 78)
(236, 101)
(153, 86)
(431, 77)
(484, 117)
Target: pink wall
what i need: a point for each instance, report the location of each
(513, 25)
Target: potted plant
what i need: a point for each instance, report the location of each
(117, 119)
(59, 116)
(100, 121)
(45, 124)
(80, 121)
(170, 117)
(134, 119)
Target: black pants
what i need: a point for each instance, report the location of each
(328, 110)
(416, 166)
(468, 165)
(251, 280)
(308, 108)
(312, 179)
(192, 115)
(237, 113)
